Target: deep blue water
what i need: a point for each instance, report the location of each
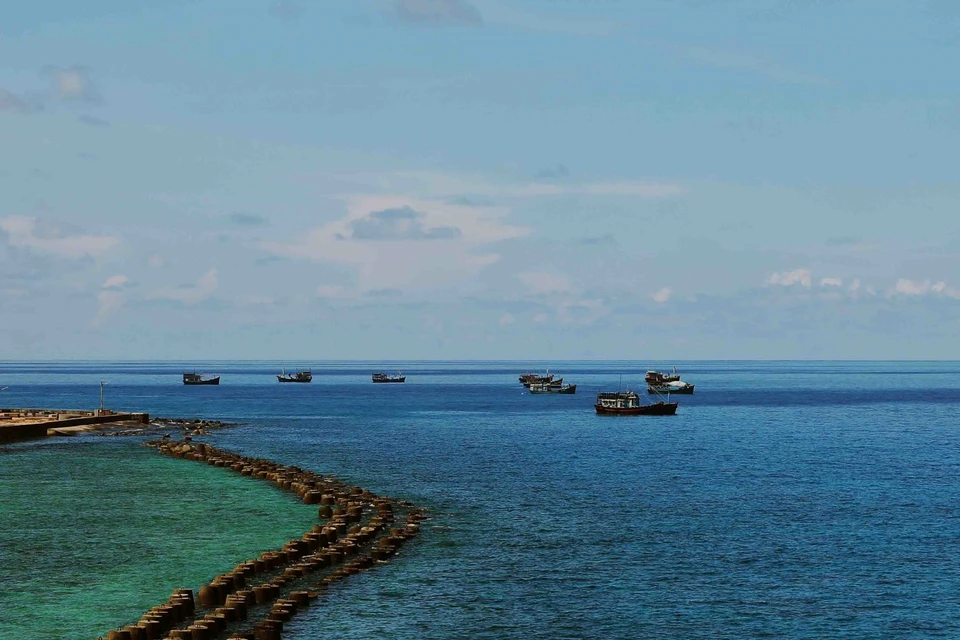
(786, 499)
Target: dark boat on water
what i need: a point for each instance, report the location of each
(528, 379)
(627, 403)
(299, 376)
(556, 383)
(654, 378)
(666, 388)
(666, 383)
(550, 387)
(193, 379)
(383, 377)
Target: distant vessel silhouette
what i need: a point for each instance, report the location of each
(299, 376)
(627, 403)
(383, 377)
(193, 379)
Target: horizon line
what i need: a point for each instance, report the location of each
(466, 360)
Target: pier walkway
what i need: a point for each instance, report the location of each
(27, 424)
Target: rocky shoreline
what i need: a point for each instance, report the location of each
(167, 427)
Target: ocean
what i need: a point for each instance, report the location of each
(785, 499)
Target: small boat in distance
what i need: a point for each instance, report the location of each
(192, 379)
(627, 403)
(535, 378)
(677, 386)
(299, 376)
(550, 387)
(658, 377)
(383, 377)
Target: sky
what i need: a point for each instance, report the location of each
(301, 180)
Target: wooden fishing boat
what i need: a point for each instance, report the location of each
(383, 377)
(666, 388)
(658, 377)
(627, 403)
(566, 389)
(299, 376)
(535, 378)
(194, 379)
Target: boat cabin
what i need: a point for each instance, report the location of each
(618, 400)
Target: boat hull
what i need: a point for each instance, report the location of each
(657, 409)
(567, 391)
(551, 383)
(282, 379)
(390, 380)
(202, 383)
(684, 390)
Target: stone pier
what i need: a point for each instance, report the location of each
(27, 424)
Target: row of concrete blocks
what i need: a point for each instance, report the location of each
(323, 546)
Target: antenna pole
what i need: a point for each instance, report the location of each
(101, 397)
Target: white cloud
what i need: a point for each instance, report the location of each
(156, 261)
(115, 282)
(916, 288)
(790, 278)
(398, 261)
(540, 318)
(662, 296)
(30, 232)
(831, 282)
(544, 282)
(190, 294)
(72, 84)
(507, 319)
(108, 303)
(911, 288)
(855, 285)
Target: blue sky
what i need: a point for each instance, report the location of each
(392, 179)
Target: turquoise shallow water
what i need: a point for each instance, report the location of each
(94, 533)
(786, 499)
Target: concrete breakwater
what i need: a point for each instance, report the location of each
(26, 424)
(356, 531)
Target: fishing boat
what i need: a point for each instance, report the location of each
(555, 383)
(299, 376)
(541, 388)
(666, 388)
(193, 379)
(627, 403)
(535, 378)
(658, 377)
(383, 377)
